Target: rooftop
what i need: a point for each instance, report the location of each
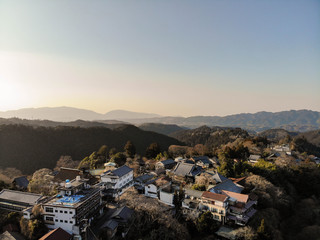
(186, 169)
(119, 172)
(66, 173)
(18, 196)
(73, 200)
(168, 161)
(227, 185)
(240, 197)
(214, 196)
(193, 193)
(55, 234)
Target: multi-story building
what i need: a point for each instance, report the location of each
(241, 207)
(76, 204)
(216, 203)
(117, 181)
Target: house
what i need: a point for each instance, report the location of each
(190, 203)
(140, 182)
(227, 185)
(216, 203)
(166, 164)
(21, 183)
(18, 201)
(166, 194)
(254, 158)
(241, 207)
(117, 181)
(185, 171)
(202, 161)
(119, 221)
(153, 186)
(11, 236)
(55, 234)
(214, 177)
(76, 201)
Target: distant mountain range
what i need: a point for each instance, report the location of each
(294, 120)
(67, 114)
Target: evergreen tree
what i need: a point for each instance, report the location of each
(130, 149)
(153, 150)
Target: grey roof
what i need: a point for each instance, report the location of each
(18, 196)
(218, 177)
(201, 158)
(121, 171)
(168, 161)
(227, 185)
(11, 236)
(21, 181)
(254, 157)
(193, 193)
(111, 224)
(124, 213)
(144, 178)
(186, 169)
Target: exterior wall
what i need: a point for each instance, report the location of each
(218, 209)
(121, 184)
(166, 198)
(151, 191)
(61, 217)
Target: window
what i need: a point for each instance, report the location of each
(65, 212)
(61, 211)
(65, 221)
(70, 212)
(71, 222)
(49, 219)
(61, 220)
(55, 210)
(49, 209)
(56, 220)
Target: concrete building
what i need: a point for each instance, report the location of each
(76, 203)
(116, 182)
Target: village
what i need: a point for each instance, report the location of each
(101, 203)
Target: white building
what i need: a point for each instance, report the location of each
(117, 181)
(76, 203)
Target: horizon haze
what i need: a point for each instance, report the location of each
(173, 58)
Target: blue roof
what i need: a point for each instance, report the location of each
(70, 199)
(227, 185)
(121, 171)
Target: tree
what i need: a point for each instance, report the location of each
(66, 161)
(112, 152)
(130, 149)
(153, 150)
(198, 187)
(206, 224)
(103, 151)
(119, 159)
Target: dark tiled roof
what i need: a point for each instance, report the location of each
(218, 177)
(18, 196)
(144, 178)
(201, 158)
(11, 236)
(111, 224)
(66, 173)
(56, 234)
(214, 196)
(124, 213)
(21, 181)
(168, 161)
(227, 185)
(121, 171)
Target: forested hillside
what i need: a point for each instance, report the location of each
(210, 137)
(29, 148)
(166, 129)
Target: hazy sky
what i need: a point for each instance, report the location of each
(213, 57)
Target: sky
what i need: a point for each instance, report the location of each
(177, 58)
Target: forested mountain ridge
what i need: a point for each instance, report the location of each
(29, 148)
(166, 129)
(294, 120)
(210, 136)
